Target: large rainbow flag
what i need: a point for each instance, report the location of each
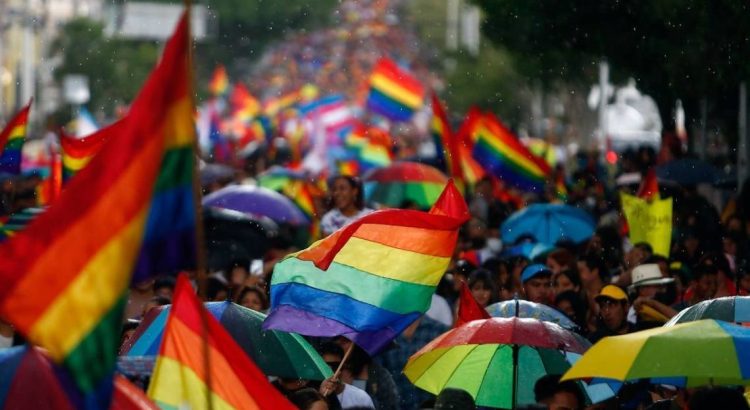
(78, 152)
(11, 141)
(64, 279)
(371, 279)
(446, 143)
(502, 154)
(200, 366)
(394, 93)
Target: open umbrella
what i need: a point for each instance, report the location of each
(495, 360)
(688, 171)
(729, 309)
(29, 380)
(528, 250)
(401, 181)
(548, 223)
(530, 310)
(705, 352)
(232, 235)
(276, 353)
(257, 201)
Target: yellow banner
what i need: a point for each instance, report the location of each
(649, 222)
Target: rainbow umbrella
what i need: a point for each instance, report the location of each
(729, 309)
(276, 353)
(402, 181)
(29, 379)
(524, 308)
(705, 352)
(497, 360)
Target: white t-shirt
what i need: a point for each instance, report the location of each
(354, 397)
(440, 311)
(334, 220)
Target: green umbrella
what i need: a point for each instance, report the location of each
(277, 353)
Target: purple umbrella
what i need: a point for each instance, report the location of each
(257, 201)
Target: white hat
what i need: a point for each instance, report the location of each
(648, 274)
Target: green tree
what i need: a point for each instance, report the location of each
(689, 49)
(116, 68)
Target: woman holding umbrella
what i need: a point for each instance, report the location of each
(348, 204)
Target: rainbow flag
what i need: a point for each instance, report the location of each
(561, 188)
(370, 147)
(371, 279)
(130, 210)
(446, 144)
(502, 154)
(200, 366)
(78, 152)
(275, 105)
(219, 83)
(348, 167)
(394, 93)
(11, 141)
(244, 106)
(49, 189)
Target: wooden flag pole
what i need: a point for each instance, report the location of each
(341, 366)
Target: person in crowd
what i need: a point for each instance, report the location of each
(361, 371)
(565, 280)
(593, 274)
(164, 286)
(454, 399)
(482, 287)
(717, 397)
(348, 201)
(647, 311)
(216, 289)
(702, 286)
(571, 304)
(252, 297)
(413, 338)
(556, 395)
(152, 303)
(725, 285)
(613, 306)
(308, 399)
(560, 259)
(537, 284)
(347, 395)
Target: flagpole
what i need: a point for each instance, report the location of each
(341, 366)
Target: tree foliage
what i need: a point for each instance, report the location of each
(687, 49)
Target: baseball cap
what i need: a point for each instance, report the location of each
(612, 292)
(533, 271)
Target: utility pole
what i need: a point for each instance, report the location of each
(603, 85)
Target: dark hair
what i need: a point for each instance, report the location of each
(253, 289)
(304, 398)
(547, 386)
(454, 399)
(703, 269)
(239, 263)
(354, 183)
(464, 267)
(719, 397)
(718, 260)
(595, 261)
(578, 305)
(563, 257)
(164, 282)
(645, 246)
(331, 348)
(213, 287)
(160, 300)
(572, 275)
(484, 276)
(656, 259)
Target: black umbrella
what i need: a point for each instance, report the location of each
(232, 235)
(687, 171)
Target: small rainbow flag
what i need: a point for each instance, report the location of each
(200, 366)
(561, 188)
(11, 141)
(130, 210)
(502, 154)
(371, 279)
(244, 106)
(219, 83)
(371, 147)
(78, 152)
(394, 93)
(275, 105)
(446, 143)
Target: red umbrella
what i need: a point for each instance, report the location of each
(403, 181)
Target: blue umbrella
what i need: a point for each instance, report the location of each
(528, 250)
(548, 223)
(531, 310)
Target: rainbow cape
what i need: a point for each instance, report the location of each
(77, 152)
(219, 83)
(371, 279)
(393, 92)
(200, 366)
(64, 279)
(446, 144)
(11, 141)
(502, 154)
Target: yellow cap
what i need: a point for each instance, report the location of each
(612, 292)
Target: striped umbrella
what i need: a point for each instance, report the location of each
(729, 309)
(497, 360)
(705, 352)
(276, 353)
(403, 181)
